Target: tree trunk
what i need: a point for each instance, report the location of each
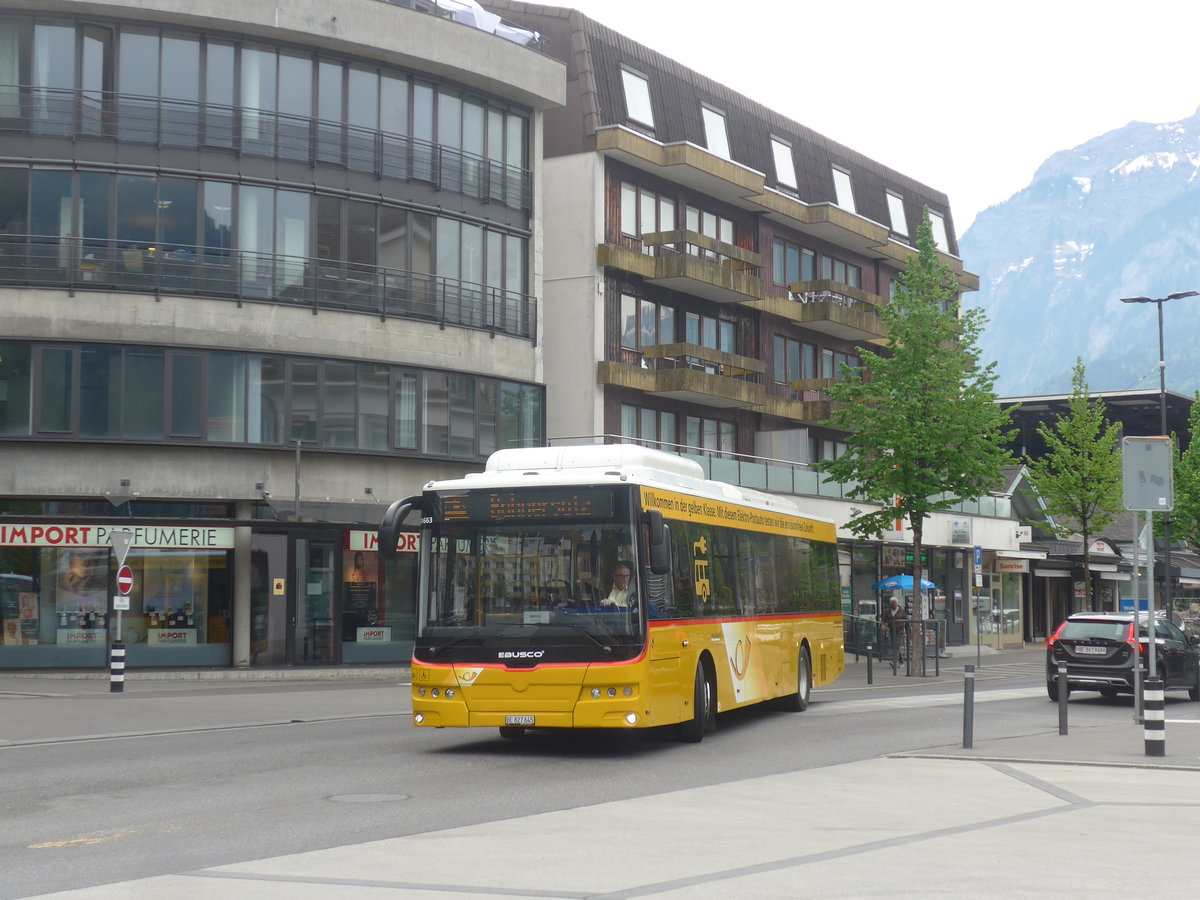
(1087, 571)
(917, 633)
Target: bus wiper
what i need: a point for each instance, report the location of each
(435, 650)
(605, 648)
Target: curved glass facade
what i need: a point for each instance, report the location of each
(351, 215)
(59, 391)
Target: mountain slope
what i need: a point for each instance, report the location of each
(1118, 216)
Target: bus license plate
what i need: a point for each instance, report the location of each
(518, 720)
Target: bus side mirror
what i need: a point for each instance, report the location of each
(660, 544)
(393, 520)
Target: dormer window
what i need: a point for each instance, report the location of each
(716, 138)
(843, 190)
(637, 97)
(785, 166)
(938, 223)
(896, 212)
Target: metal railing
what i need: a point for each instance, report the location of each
(133, 118)
(776, 475)
(77, 263)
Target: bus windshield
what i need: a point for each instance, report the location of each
(531, 586)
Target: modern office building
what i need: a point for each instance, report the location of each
(263, 268)
(713, 264)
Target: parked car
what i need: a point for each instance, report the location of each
(1101, 649)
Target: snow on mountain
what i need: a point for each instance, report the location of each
(1118, 216)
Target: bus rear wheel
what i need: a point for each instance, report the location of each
(798, 702)
(704, 708)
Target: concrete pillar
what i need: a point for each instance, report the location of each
(241, 586)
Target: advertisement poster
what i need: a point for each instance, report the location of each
(81, 581)
(360, 597)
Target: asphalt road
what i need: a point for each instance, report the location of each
(81, 812)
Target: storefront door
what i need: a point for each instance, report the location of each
(291, 599)
(313, 637)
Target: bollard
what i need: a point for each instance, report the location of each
(1156, 722)
(1063, 693)
(870, 674)
(968, 707)
(116, 671)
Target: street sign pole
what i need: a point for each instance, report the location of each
(977, 567)
(121, 541)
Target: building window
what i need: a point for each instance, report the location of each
(791, 263)
(645, 323)
(649, 427)
(840, 271)
(716, 137)
(939, 231)
(794, 360)
(832, 362)
(710, 332)
(645, 212)
(714, 435)
(896, 212)
(637, 97)
(824, 448)
(785, 166)
(711, 225)
(844, 190)
(115, 392)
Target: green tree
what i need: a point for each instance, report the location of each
(1185, 519)
(925, 431)
(1079, 477)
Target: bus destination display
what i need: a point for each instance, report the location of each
(561, 504)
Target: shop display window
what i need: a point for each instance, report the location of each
(55, 606)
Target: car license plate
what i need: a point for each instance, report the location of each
(518, 720)
(1094, 651)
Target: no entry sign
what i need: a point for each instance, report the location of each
(124, 579)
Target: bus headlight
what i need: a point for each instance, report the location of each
(631, 718)
(433, 693)
(449, 693)
(628, 691)
(612, 692)
(421, 692)
(595, 693)
(419, 718)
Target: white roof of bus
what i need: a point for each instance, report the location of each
(603, 463)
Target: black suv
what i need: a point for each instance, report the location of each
(1099, 650)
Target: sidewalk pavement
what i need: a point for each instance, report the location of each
(1015, 817)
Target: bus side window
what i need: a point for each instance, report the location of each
(685, 589)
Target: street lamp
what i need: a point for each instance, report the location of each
(1162, 413)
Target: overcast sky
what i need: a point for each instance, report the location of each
(969, 98)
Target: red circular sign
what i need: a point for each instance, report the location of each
(124, 579)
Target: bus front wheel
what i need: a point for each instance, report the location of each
(704, 708)
(798, 702)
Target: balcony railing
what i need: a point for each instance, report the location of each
(320, 284)
(80, 114)
(775, 475)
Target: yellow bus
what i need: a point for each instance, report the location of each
(732, 595)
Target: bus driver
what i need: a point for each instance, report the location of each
(621, 596)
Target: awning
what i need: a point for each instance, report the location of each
(1052, 573)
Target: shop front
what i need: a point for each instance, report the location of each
(204, 595)
(944, 567)
(59, 580)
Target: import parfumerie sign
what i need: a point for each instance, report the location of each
(183, 537)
